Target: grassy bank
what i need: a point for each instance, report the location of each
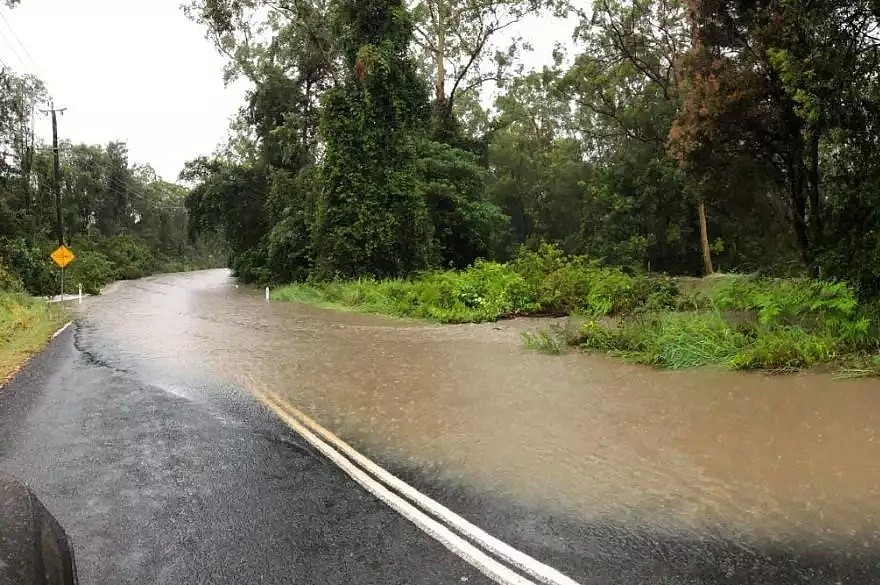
(735, 322)
(26, 325)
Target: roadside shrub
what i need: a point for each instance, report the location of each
(554, 341)
(31, 264)
(654, 293)
(483, 292)
(811, 303)
(688, 340)
(130, 258)
(18, 312)
(574, 284)
(93, 270)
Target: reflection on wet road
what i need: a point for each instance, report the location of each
(756, 459)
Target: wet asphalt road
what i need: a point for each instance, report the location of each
(154, 488)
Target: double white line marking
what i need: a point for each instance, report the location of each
(471, 543)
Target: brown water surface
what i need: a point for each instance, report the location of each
(763, 457)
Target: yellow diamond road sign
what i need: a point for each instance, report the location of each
(63, 256)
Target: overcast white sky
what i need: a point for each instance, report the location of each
(141, 72)
(132, 70)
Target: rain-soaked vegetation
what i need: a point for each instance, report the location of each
(25, 325)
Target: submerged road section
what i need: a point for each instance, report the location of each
(183, 430)
(156, 488)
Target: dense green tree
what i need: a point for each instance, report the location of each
(788, 85)
(466, 225)
(121, 219)
(370, 218)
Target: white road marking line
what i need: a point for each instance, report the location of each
(62, 330)
(458, 545)
(519, 559)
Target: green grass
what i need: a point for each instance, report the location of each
(26, 325)
(749, 324)
(553, 341)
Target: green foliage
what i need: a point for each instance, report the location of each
(93, 270)
(745, 323)
(231, 199)
(785, 349)
(669, 340)
(829, 307)
(339, 166)
(371, 219)
(540, 282)
(9, 282)
(466, 225)
(31, 265)
(574, 284)
(26, 324)
(130, 258)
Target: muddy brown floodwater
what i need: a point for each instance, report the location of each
(768, 458)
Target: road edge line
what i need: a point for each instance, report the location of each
(62, 330)
(533, 567)
(454, 543)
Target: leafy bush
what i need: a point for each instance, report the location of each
(812, 303)
(93, 270)
(553, 341)
(31, 264)
(130, 258)
(574, 284)
(688, 340)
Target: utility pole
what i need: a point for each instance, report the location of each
(58, 221)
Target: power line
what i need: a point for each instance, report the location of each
(18, 40)
(14, 52)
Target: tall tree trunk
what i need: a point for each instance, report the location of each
(440, 56)
(815, 217)
(798, 202)
(708, 268)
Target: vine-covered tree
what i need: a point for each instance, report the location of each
(371, 219)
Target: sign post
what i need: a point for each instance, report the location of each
(62, 257)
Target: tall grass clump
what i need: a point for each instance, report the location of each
(669, 340)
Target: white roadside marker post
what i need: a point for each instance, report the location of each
(267, 294)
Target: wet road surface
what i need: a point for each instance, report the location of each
(139, 430)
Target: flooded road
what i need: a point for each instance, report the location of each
(778, 461)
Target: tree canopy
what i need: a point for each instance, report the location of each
(674, 135)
